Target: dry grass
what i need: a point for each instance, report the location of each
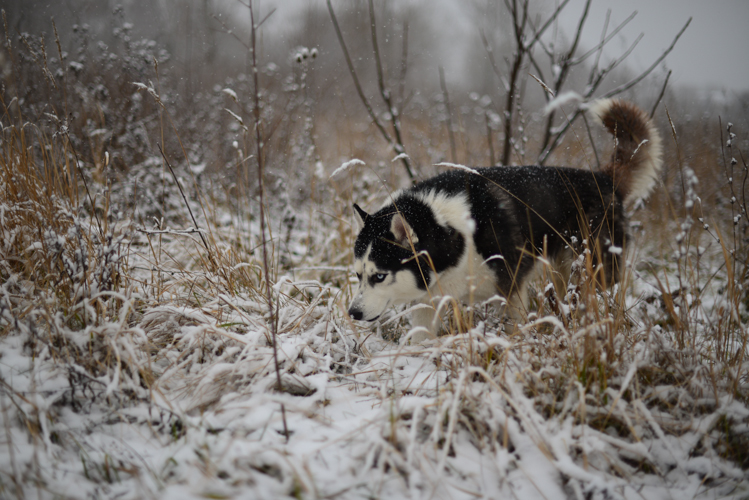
(114, 309)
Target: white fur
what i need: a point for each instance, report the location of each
(398, 288)
(652, 149)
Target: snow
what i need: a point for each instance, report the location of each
(457, 166)
(165, 385)
(350, 435)
(345, 166)
(230, 93)
(561, 100)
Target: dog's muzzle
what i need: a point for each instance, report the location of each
(356, 314)
(359, 315)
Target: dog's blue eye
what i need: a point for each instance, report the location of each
(380, 277)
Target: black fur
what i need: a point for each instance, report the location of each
(442, 244)
(519, 212)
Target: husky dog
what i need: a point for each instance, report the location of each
(473, 234)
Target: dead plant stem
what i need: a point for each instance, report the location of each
(273, 316)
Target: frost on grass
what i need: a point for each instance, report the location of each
(458, 167)
(136, 358)
(165, 386)
(346, 165)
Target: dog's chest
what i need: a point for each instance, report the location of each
(470, 280)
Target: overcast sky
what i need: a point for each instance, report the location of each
(712, 53)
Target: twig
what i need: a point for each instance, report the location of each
(593, 145)
(564, 68)
(548, 22)
(522, 48)
(261, 186)
(594, 86)
(363, 97)
(386, 97)
(660, 96)
(450, 132)
(598, 49)
(489, 140)
(490, 55)
(179, 186)
(645, 73)
(520, 51)
(404, 65)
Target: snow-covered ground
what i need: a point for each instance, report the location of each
(172, 393)
(140, 355)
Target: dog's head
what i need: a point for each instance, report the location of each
(387, 263)
(399, 252)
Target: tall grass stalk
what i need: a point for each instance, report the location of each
(259, 145)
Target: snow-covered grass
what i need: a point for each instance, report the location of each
(138, 363)
(136, 350)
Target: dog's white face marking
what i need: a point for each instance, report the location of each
(379, 289)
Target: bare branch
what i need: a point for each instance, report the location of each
(230, 32)
(621, 58)
(520, 51)
(376, 49)
(593, 145)
(557, 139)
(660, 96)
(645, 73)
(596, 81)
(599, 49)
(352, 71)
(523, 48)
(450, 133)
(265, 18)
(490, 55)
(573, 48)
(404, 65)
(398, 144)
(564, 68)
(604, 39)
(548, 22)
(386, 97)
(259, 141)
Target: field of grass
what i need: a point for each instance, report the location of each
(175, 272)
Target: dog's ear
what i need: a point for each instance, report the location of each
(361, 215)
(402, 231)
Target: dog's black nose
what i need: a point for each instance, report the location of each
(356, 314)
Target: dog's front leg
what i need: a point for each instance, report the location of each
(424, 318)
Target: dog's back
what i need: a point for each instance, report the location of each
(522, 212)
(446, 234)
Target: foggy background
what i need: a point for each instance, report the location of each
(710, 56)
(195, 55)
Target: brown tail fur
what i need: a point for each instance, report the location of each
(636, 160)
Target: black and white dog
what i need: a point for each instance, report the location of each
(473, 234)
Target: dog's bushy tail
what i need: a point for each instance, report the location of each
(636, 161)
